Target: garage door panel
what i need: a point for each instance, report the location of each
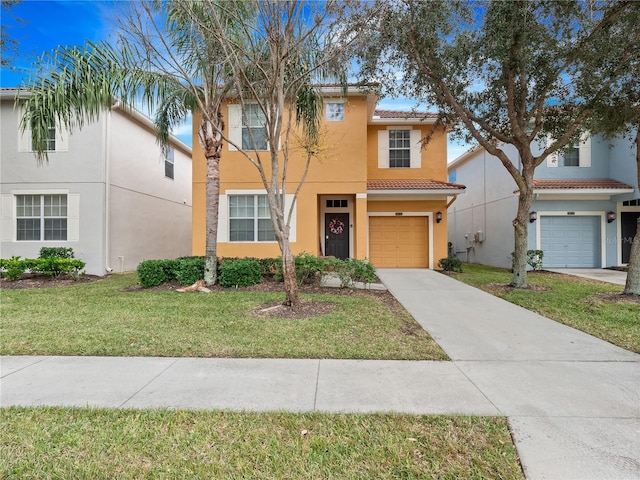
(398, 241)
(570, 242)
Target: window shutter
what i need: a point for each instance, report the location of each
(288, 201)
(235, 125)
(223, 219)
(585, 151)
(6, 218)
(24, 138)
(62, 139)
(552, 159)
(416, 149)
(383, 149)
(73, 217)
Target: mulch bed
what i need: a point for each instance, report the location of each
(619, 298)
(32, 280)
(307, 308)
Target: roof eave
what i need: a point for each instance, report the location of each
(431, 191)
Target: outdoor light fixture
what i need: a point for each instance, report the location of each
(533, 216)
(611, 216)
(438, 217)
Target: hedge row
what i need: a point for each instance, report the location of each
(13, 267)
(237, 272)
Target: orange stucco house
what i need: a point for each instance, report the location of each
(375, 194)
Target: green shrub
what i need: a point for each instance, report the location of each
(242, 272)
(152, 273)
(534, 259)
(351, 270)
(363, 271)
(188, 270)
(450, 264)
(13, 267)
(59, 252)
(270, 266)
(56, 266)
(309, 268)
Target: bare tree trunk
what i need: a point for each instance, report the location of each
(521, 232)
(292, 298)
(632, 285)
(211, 145)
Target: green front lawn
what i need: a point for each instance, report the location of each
(588, 305)
(102, 318)
(40, 443)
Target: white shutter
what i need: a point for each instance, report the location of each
(73, 217)
(288, 200)
(383, 149)
(6, 218)
(416, 149)
(62, 139)
(24, 138)
(584, 151)
(235, 125)
(223, 219)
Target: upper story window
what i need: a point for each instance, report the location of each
(254, 129)
(399, 148)
(56, 140)
(249, 219)
(41, 217)
(50, 141)
(168, 154)
(571, 158)
(335, 111)
(574, 156)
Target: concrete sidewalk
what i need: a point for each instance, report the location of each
(601, 274)
(573, 401)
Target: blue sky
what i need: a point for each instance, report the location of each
(42, 25)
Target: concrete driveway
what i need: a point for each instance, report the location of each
(572, 400)
(601, 274)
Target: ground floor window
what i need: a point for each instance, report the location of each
(41, 217)
(249, 219)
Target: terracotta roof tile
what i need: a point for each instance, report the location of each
(604, 183)
(399, 114)
(412, 185)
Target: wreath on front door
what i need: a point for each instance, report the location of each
(336, 226)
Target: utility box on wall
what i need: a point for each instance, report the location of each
(478, 237)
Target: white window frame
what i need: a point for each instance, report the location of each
(168, 153)
(334, 111)
(236, 127)
(60, 141)
(584, 154)
(383, 147)
(255, 218)
(9, 218)
(224, 222)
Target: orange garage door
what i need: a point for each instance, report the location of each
(399, 242)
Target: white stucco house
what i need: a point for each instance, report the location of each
(584, 211)
(108, 191)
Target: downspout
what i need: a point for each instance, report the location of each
(106, 132)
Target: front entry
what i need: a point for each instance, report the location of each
(628, 226)
(336, 235)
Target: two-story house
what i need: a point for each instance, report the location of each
(584, 211)
(109, 191)
(374, 194)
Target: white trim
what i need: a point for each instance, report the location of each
(596, 193)
(44, 191)
(406, 214)
(603, 227)
(361, 195)
(431, 192)
(223, 215)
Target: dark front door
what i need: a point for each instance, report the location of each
(336, 235)
(628, 231)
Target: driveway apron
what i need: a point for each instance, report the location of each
(572, 400)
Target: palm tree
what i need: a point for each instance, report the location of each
(172, 66)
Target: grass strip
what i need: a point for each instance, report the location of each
(82, 443)
(102, 318)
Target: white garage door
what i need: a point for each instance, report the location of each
(570, 242)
